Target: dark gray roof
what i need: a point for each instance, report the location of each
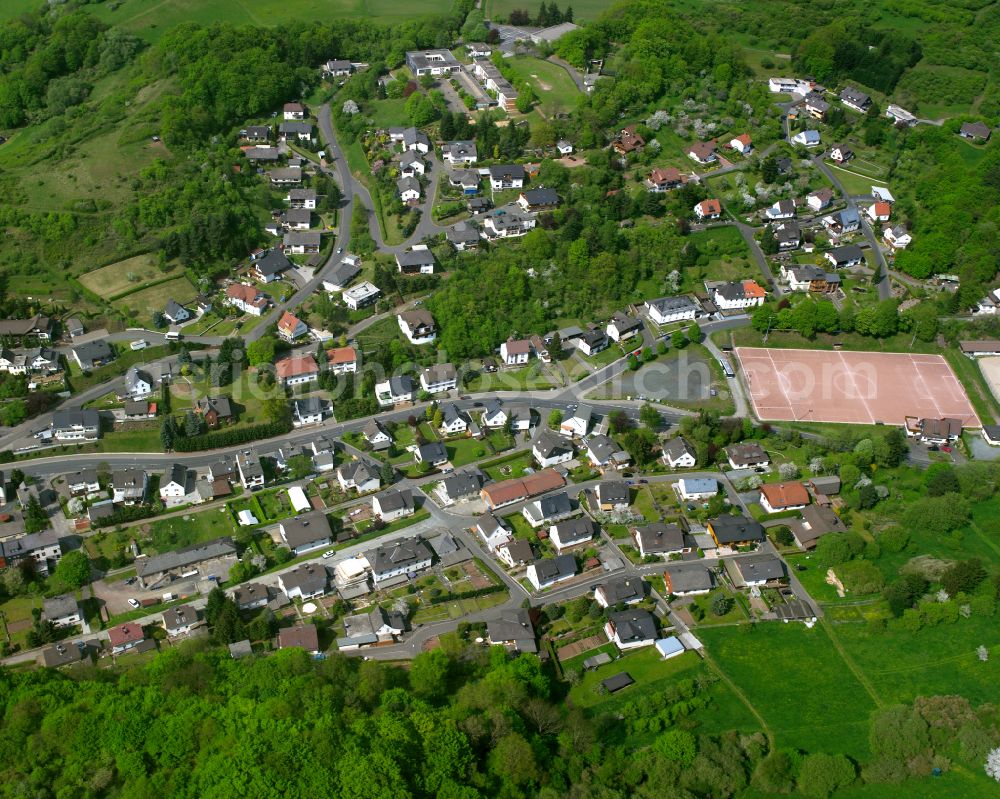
(574, 531)
(309, 528)
(59, 607)
(189, 556)
(510, 171)
(464, 484)
(617, 682)
(358, 471)
(846, 254)
(308, 406)
(733, 529)
(273, 263)
(295, 126)
(689, 576)
(746, 453)
(173, 308)
(343, 273)
(633, 625)
(511, 625)
(552, 568)
(308, 577)
(432, 452)
(220, 405)
(462, 233)
(398, 554)
(676, 447)
(98, 350)
(660, 537)
(541, 197)
(175, 473)
(415, 257)
(615, 491)
(554, 504)
(760, 567)
(624, 589)
(549, 444)
(182, 616)
(395, 499)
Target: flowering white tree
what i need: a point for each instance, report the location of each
(983, 653)
(816, 465)
(350, 107)
(993, 764)
(788, 471)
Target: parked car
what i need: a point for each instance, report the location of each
(139, 344)
(133, 603)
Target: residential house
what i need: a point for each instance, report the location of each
(462, 486)
(376, 435)
(138, 383)
(688, 579)
(296, 370)
(62, 610)
(417, 325)
(342, 360)
(43, 548)
(604, 453)
(262, 154)
(250, 596)
(128, 486)
(506, 176)
(672, 309)
(337, 68)
(305, 533)
(855, 99)
(512, 629)
(359, 296)
(777, 497)
(179, 620)
(285, 176)
(459, 153)
(679, 454)
(368, 629)
(782, 209)
(340, 277)
(742, 144)
(521, 418)
(664, 180)
(735, 531)
(807, 138)
(620, 591)
(176, 483)
(846, 255)
(270, 266)
(540, 199)
(702, 152)
(434, 453)
(301, 636)
(612, 495)
(297, 219)
(631, 629)
(125, 637)
(577, 425)
(494, 417)
(897, 237)
(515, 352)
(841, 153)
(307, 411)
(816, 106)
(393, 504)
(819, 199)
(622, 326)
(290, 327)
(432, 62)
(660, 539)
(294, 111)
(301, 198)
(975, 131)
(708, 209)
(215, 410)
(492, 531)
(571, 533)
(305, 581)
(29, 361)
(302, 131)
(257, 133)
(38, 326)
(817, 521)
(545, 573)
(301, 243)
(748, 455)
(507, 222)
(463, 236)
(175, 313)
(404, 556)
(84, 425)
(439, 378)
(465, 179)
(563, 147)
(408, 190)
(788, 235)
(628, 141)
(359, 475)
(453, 421)
(82, 483)
(738, 295)
(250, 470)
(93, 354)
(800, 277)
(397, 389)
(933, 431)
(548, 509)
(756, 570)
(209, 560)
(697, 488)
(247, 298)
(514, 553)
(878, 211)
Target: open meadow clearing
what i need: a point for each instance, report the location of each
(113, 280)
(155, 297)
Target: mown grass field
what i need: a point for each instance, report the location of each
(499, 10)
(150, 19)
(113, 280)
(552, 84)
(155, 297)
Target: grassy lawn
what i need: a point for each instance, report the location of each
(852, 181)
(126, 357)
(144, 302)
(399, 524)
(798, 682)
(443, 611)
(533, 376)
(509, 467)
(585, 10)
(388, 113)
(735, 615)
(521, 528)
(145, 440)
(177, 532)
(16, 611)
(113, 280)
(556, 91)
(465, 450)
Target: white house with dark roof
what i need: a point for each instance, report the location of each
(545, 573)
(672, 309)
(631, 629)
(550, 449)
(679, 454)
(572, 532)
(660, 539)
(393, 504)
(577, 425)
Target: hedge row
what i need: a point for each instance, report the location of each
(229, 438)
(437, 600)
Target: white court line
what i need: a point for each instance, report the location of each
(938, 414)
(864, 401)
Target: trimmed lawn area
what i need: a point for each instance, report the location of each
(509, 467)
(145, 440)
(399, 524)
(798, 682)
(556, 91)
(126, 357)
(532, 376)
(144, 302)
(465, 450)
(854, 182)
(113, 280)
(177, 532)
(521, 528)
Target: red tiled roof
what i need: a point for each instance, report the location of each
(288, 322)
(296, 366)
(751, 288)
(341, 355)
(785, 495)
(126, 634)
(709, 207)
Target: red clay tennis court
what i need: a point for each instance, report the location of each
(852, 387)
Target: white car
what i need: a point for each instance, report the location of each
(329, 553)
(139, 344)
(133, 603)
